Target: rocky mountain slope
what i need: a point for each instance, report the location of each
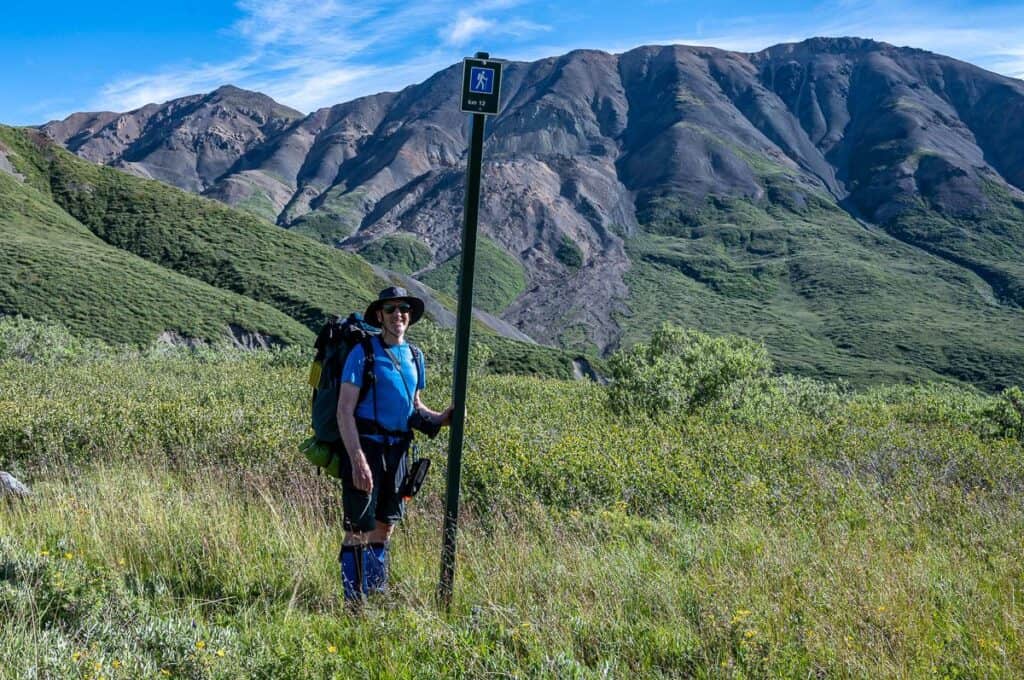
(187, 142)
(848, 201)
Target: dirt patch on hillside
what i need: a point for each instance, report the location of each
(7, 167)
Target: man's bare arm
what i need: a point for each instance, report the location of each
(348, 398)
(443, 417)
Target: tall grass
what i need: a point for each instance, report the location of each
(162, 571)
(175, 531)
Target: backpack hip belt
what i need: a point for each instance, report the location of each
(366, 426)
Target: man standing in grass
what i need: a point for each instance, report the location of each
(376, 433)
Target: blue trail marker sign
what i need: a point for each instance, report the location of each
(481, 86)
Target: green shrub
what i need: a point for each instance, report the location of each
(402, 253)
(771, 399)
(43, 343)
(681, 371)
(1005, 415)
(569, 254)
(927, 403)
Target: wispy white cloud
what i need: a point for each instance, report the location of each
(472, 24)
(1009, 62)
(303, 54)
(466, 27)
(308, 55)
(992, 38)
(135, 91)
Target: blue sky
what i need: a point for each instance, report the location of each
(61, 57)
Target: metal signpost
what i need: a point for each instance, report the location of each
(481, 82)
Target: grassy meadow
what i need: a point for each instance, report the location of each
(764, 527)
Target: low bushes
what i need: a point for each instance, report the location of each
(764, 526)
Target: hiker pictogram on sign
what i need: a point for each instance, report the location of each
(481, 80)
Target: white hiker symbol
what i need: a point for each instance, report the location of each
(481, 81)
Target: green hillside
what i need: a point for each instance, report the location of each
(403, 253)
(830, 297)
(124, 259)
(203, 239)
(499, 277)
(52, 267)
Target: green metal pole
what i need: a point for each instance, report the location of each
(465, 320)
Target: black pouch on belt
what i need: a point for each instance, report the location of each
(414, 477)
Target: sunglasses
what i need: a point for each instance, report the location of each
(403, 307)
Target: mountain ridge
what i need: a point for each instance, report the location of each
(603, 170)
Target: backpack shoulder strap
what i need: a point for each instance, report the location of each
(417, 360)
(369, 376)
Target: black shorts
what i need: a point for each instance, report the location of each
(383, 504)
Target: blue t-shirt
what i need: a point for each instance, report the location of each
(394, 403)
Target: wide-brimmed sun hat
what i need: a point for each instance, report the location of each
(394, 294)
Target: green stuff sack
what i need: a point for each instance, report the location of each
(319, 454)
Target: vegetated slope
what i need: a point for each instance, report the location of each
(928, 147)
(855, 204)
(52, 267)
(248, 265)
(498, 277)
(208, 241)
(829, 296)
(401, 253)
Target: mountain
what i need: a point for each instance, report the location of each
(856, 205)
(188, 142)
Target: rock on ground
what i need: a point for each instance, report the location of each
(10, 486)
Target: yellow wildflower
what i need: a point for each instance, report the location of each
(200, 644)
(44, 553)
(221, 652)
(69, 555)
(740, 616)
(332, 649)
(750, 632)
(115, 663)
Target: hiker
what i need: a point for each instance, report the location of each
(376, 431)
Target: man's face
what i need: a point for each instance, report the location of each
(394, 316)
